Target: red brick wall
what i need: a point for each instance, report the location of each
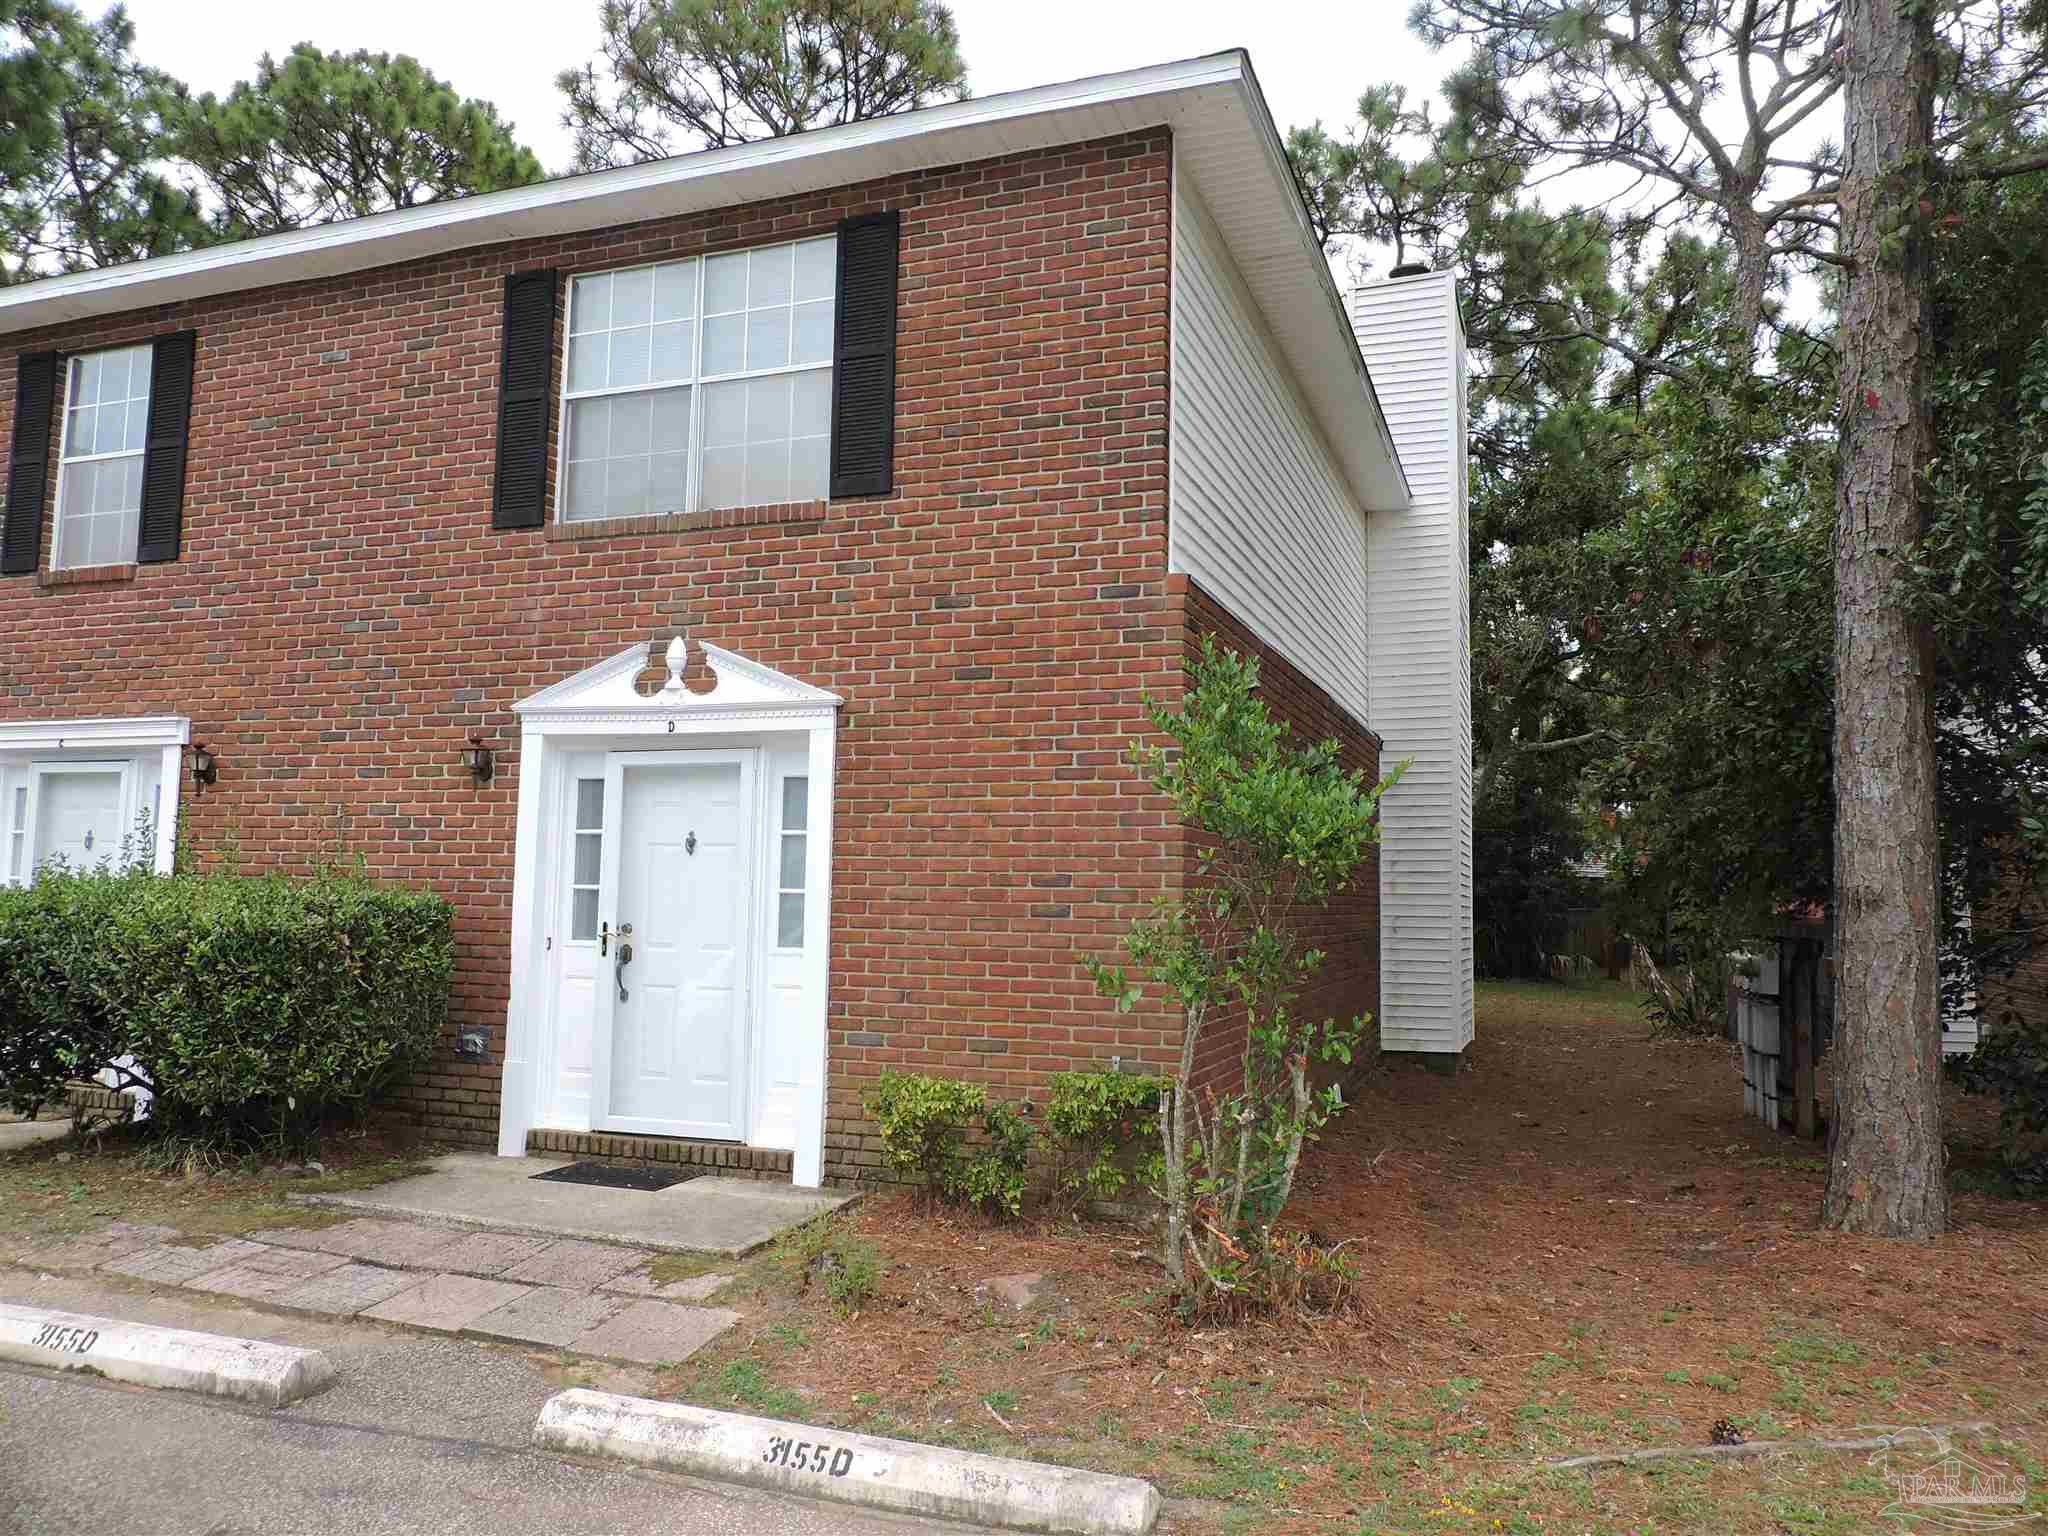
(1348, 930)
(343, 615)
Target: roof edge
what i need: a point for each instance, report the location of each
(490, 218)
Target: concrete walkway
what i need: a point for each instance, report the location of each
(16, 1133)
(726, 1217)
(587, 1298)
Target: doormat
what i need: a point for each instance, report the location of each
(605, 1176)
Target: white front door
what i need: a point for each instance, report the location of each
(675, 902)
(79, 814)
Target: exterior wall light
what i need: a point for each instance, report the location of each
(204, 768)
(479, 760)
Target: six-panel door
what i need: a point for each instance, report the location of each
(673, 979)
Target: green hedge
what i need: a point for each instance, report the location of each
(252, 1005)
(1096, 1124)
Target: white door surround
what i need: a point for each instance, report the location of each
(563, 1018)
(45, 766)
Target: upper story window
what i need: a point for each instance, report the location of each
(701, 383)
(99, 474)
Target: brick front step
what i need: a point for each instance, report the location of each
(728, 1159)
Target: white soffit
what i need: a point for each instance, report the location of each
(1226, 139)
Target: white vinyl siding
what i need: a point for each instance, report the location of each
(1260, 513)
(1422, 665)
(99, 470)
(705, 382)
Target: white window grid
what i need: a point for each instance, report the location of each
(697, 382)
(17, 837)
(792, 837)
(74, 526)
(586, 849)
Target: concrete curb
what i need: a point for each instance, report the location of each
(898, 1475)
(245, 1369)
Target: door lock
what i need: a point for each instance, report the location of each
(690, 843)
(604, 936)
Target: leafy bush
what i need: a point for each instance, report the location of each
(992, 1178)
(252, 1006)
(1283, 828)
(925, 1122)
(1094, 1120)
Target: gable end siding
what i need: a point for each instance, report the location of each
(1260, 514)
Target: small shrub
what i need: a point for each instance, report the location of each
(925, 1123)
(253, 1007)
(1690, 1001)
(992, 1179)
(1093, 1121)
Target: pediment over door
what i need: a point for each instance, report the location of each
(607, 693)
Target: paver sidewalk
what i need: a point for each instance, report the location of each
(588, 1298)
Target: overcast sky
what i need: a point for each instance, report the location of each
(1312, 58)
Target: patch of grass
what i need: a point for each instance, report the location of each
(744, 1383)
(41, 1199)
(667, 1268)
(1814, 1348)
(853, 1274)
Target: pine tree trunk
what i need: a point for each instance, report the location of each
(1886, 1171)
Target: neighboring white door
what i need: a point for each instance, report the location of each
(672, 983)
(79, 814)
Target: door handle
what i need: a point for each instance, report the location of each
(619, 967)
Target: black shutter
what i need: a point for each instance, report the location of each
(526, 370)
(864, 356)
(28, 465)
(163, 452)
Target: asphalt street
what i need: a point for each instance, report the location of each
(420, 1434)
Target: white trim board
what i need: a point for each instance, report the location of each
(98, 733)
(1223, 132)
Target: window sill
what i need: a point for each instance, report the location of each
(86, 576)
(687, 522)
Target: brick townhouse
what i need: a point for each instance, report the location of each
(733, 581)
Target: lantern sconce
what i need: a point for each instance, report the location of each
(205, 769)
(479, 760)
